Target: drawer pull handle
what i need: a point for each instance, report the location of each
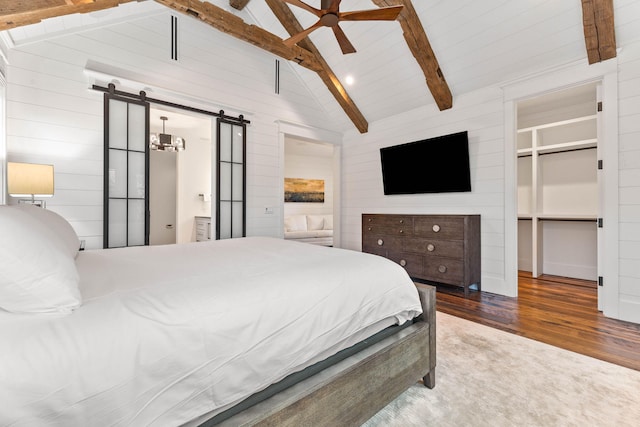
(402, 221)
(380, 242)
(435, 228)
(369, 219)
(401, 231)
(369, 228)
(442, 268)
(430, 247)
(403, 262)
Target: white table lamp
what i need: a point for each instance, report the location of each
(30, 180)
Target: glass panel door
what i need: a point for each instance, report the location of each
(126, 181)
(231, 180)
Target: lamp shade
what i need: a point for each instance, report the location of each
(29, 180)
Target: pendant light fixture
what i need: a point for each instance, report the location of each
(165, 142)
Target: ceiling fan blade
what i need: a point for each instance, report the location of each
(304, 6)
(383, 14)
(343, 41)
(302, 34)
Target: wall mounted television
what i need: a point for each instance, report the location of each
(434, 165)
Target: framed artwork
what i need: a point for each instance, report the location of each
(303, 190)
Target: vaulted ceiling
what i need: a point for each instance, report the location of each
(435, 51)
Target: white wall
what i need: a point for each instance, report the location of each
(481, 114)
(194, 178)
(629, 181)
(53, 116)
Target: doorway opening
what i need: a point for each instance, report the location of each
(310, 219)
(559, 185)
(179, 181)
(126, 168)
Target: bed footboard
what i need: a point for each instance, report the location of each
(353, 390)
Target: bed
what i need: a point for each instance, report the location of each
(187, 334)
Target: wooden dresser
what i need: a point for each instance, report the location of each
(436, 248)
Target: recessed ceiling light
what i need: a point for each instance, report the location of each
(349, 80)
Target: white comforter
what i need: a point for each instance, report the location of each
(167, 333)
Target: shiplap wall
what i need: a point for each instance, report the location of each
(629, 181)
(481, 114)
(53, 116)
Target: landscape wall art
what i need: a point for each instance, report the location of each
(303, 190)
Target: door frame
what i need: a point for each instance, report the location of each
(606, 73)
(3, 136)
(287, 129)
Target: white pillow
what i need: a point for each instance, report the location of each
(295, 223)
(328, 222)
(315, 222)
(57, 225)
(37, 270)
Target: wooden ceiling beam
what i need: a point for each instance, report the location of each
(599, 30)
(292, 25)
(233, 25)
(238, 4)
(420, 47)
(26, 12)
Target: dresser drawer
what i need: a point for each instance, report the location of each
(388, 221)
(429, 247)
(445, 270)
(392, 230)
(411, 262)
(439, 227)
(381, 242)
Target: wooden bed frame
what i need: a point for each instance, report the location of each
(356, 388)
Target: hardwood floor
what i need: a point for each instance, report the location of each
(557, 311)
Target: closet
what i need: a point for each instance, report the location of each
(558, 203)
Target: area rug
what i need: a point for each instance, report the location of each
(488, 377)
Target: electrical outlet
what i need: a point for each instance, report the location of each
(268, 210)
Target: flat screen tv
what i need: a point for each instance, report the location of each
(435, 165)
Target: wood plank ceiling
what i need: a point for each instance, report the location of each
(598, 25)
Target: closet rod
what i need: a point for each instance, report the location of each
(566, 151)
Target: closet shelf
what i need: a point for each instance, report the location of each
(559, 123)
